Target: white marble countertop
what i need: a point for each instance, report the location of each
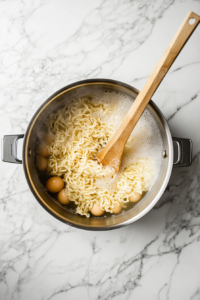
(45, 45)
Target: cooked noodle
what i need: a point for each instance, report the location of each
(79, 135)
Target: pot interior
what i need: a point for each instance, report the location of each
(57, 101)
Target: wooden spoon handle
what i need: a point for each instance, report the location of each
(111, 154)
(159, 73)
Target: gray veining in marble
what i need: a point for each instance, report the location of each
(45, 45)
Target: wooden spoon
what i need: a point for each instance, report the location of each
(111, 154)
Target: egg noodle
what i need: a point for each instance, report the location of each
(79, 135)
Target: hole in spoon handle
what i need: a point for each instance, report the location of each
(191, 21)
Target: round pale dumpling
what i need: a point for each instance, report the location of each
(117, 208)
(54, 184)
(48, 139)
(42, 150)
(41, 163)
(135, 197)
(63, 198)
(96, 210)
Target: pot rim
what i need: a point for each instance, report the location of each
(28, 176)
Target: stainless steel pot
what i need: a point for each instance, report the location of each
(57, 100)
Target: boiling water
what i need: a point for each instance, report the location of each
(144, 142)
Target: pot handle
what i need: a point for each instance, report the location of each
(184, 152)
(9, 148)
